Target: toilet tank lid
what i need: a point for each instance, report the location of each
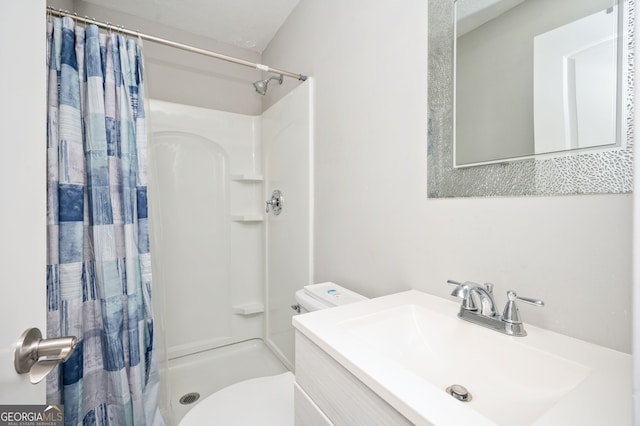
(308, 303)
(332, 294)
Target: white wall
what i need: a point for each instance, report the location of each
(23, 196)
(377, 233)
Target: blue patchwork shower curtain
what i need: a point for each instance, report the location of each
(98, 269)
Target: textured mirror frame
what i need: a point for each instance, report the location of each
(590, 172)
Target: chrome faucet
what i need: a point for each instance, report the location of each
(478, 306)
(484, 296)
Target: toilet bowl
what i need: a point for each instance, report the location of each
(266, 401)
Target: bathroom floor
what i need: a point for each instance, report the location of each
(209, 371)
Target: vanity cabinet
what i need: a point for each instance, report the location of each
(327, 394)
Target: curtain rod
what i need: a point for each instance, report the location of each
(109, 26)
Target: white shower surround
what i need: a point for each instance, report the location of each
(189, 223)
(287, 136)
(225, 273)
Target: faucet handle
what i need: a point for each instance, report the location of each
(529, 300)
(511, 313)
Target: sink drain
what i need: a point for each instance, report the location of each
(459, 392)
(189, 398)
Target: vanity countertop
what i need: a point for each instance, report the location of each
(407, 346)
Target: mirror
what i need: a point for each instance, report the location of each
(541, 94)
(534, 78)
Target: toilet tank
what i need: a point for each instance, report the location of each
(325, 295)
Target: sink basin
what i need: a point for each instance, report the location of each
(510, 382)
(409, 347)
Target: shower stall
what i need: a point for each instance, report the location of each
(225, 271)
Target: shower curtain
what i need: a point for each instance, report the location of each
(98, 268)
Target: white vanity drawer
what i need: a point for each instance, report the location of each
(307, 412)
(338, 394)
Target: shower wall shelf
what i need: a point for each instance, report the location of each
(248, 217)
(247, 177)
(252, 179)
(248, 309)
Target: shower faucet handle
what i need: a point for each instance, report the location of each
(275, 203)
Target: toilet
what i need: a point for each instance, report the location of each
(266, 401)
(325, 295)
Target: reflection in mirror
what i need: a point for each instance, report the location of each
(535, 77)
(594, 143)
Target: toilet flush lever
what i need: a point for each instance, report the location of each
(276, 202)
(38, 356)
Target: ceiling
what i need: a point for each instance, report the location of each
(250, 24)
